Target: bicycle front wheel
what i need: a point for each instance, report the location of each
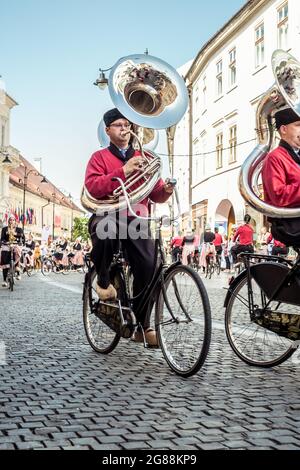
(183, 320)
(252, 343)
(47, 267)
(100, 337)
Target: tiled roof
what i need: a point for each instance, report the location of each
(34, 185)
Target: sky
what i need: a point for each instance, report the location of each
(50, 55)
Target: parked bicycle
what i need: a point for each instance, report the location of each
(262, 316)
(179, 298)
(213, 265)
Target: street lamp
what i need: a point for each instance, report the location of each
(6, 159)
(70, 198)
(53, 212)
(53, 209)
(102, 81)
(26, 174)
(71, 202)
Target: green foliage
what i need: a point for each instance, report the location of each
(80, 228)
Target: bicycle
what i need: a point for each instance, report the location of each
(49, 265)
(262, 316)
(182, 309)
(212, 265)
(194, 261)
(12, 266)
(26, 263)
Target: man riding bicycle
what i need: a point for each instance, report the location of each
(121, 160)
(10, 234)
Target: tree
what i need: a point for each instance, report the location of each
(80, 229)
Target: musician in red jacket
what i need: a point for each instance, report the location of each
(121, 160)
(278, 248)
(244, 235)
(281, 176)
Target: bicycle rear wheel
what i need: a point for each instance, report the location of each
(11, 276)
(100, 337)
(183, 321)
(252, 343)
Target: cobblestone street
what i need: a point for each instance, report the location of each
(56, 392)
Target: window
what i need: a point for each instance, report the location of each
(2, 135)
(282, 26)
(259, 45)
(219, 78)
(196, 105)
(232, 144)
(232, 68)
(219, 150)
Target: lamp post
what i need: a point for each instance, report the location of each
(53, 209)
(70, 198)
(53, 212)
(71, 202)
(45, 205)
(26, 174)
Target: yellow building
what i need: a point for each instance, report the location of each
(24, 192)
(42, 204)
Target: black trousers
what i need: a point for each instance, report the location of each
(140, 253)
(237, 249)
(278, 250)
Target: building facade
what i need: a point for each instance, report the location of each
(24, 192)
(227, 79)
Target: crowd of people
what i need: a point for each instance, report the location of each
(192, 249)
(28, 251)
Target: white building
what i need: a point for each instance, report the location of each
(9, 156)
(227, 79)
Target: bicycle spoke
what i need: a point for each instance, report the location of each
(185, 340)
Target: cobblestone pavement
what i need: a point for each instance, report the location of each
(56, 392)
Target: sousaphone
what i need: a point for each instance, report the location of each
(284, 93)
(152, 95)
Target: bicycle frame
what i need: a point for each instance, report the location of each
(283, 291)
(159, 272)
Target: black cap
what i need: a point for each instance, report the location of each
(285, 117)
(111, 116)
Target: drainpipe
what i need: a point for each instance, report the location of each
(190, 90)
(43, 212)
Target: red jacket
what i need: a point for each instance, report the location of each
(103, 166)
(245, 235)
(218, 239)
(176, 242)
(275, 242)
(281, 179)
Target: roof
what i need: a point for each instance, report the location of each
(47, 191)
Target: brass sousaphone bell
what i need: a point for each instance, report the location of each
(284, 93)
(152, 95)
